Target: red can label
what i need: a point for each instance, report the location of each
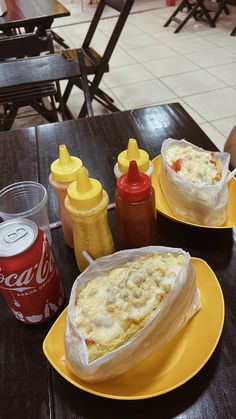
(30, 282)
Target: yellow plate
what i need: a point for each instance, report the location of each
(163, 207)
(172, 366)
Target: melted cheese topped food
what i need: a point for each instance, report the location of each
(115, 305)
(199, 167)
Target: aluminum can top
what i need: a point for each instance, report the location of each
(16, 236)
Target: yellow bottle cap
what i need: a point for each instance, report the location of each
(133, 153)
(85, 192)
(66, 167)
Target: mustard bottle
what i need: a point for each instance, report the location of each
(87, 203)
(63, 172)
(133, 153)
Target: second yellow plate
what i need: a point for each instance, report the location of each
(163, 207)
(170, 367)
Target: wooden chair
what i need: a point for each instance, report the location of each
(233, 31)
(27, 78)
(96, 64)
(204, 11)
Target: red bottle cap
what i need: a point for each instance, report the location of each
(134, 186)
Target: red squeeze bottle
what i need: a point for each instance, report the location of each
(135, 209)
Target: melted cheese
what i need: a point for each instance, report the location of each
(200, 167)
(113, 307)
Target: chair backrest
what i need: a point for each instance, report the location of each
(123, 7)
(35, 75)
(94, 63)
(26, 45)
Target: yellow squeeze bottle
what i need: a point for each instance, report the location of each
(133, 153)
(87, 203)
(63, 172)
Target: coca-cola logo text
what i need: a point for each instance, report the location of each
(36, 274)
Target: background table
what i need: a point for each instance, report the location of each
(29, 14)
(29, 386)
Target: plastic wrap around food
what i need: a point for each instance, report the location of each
(202, 204)
(179, 305)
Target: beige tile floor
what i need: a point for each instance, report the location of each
(152, 65)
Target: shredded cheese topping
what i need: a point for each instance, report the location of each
(114, 306)
(199, 167)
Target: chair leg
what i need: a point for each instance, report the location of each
(233, 31)
(192, 8)
(51, 116)
(67, 91)
(109, 105)
(54, 109)
(206, 13)
(59, 40)
(84, 82)
(100, 93)
(226, 10)
(222, 7)
(190, 14)
(10, 117)
(97, 94)
(104, 96)
(176, 11)
(93, 95)
(62, 105)
(69, 114)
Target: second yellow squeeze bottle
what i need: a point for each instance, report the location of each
(87, 203)
(63, 172)
(133, 153)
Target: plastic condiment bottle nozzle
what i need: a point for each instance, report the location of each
(133, 174)
(133, 153)
(64, 156)
(65, 168)
(85, 192)
(134, 186)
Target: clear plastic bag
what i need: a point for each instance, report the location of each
(196, 204)
(180, 304)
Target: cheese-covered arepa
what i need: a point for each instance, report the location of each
(196, 165)
(115, 305)
(194, 182)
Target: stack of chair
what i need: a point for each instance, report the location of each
(28, 78)
(204, 11)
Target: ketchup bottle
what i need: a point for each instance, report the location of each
(135, 209)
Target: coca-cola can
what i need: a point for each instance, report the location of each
(29, 278)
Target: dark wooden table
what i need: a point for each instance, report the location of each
(31, 14)
(29, 386)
